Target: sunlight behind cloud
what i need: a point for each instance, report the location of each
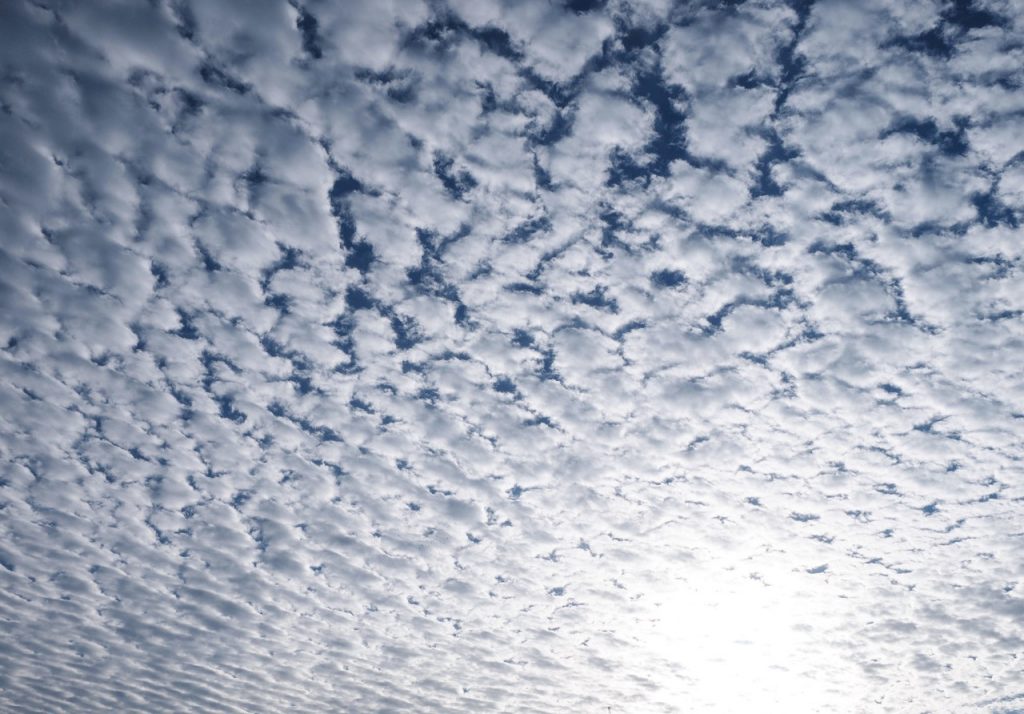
(740, 644)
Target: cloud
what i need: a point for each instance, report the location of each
(510, 356)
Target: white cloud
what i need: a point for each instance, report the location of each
(510, 356)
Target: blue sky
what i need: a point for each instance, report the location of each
(464, 356)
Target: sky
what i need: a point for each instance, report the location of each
(512, 356)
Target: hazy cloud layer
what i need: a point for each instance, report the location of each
(511, 356)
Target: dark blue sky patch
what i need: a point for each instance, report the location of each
(668, 278)
(185, 20)
(842, 211)
(846, 250)
(437, 36)
(209, 361)
(488, 98)
(410, 367)
(210, 264)
(638, 37)
(189, 105)
(360, 256)
(398, 85)
(289, 260)
(278, 301)
(631, 326)
(934, 227)
(669, 142)
(596, 298)
(359, 253)
(971, 15)
(322, 432)
(217, 77)
(769, 237)
(429, 277)
(460, 356)
(188, 328)
(901, 311)
(309, 28)
(524, 288)
(540, 420)
(527, 229)
(434, 245)
(407, 334)
(748, 80)
(761, 359)
(358, 299)
(790, 61)
(547, 369)
(992, 212)
(584, 6)
(928, 426)
(934, 42)
(1002, 315)
(301, 366)
(561, 126)
(775, 153)
(159, 273)
(344, 185)
(227, 409)
(504, 385)
(496, 40)
(561, 93)
(541, 177)
(457, 182)
(360, 405)
(252, 179)
(303, 383)
(804, 517)
(1001, 267)
(614, 223)
(342, 326)
(714, 320)
(522, 338)
(275, 349)
(949, 142)
(941, 41)
(241, 498)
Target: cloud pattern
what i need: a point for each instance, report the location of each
(462, 356)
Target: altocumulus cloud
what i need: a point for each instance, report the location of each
(508, 356)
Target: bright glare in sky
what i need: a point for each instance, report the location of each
(740, 644)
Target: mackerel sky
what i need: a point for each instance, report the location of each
(515, 356)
